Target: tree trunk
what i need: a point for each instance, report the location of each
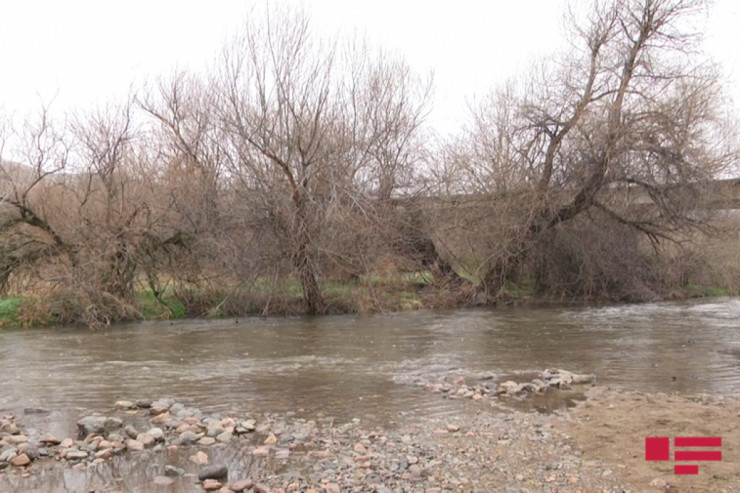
(312, 297)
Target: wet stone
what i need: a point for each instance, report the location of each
(124, 405)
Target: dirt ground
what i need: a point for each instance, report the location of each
(611, 426)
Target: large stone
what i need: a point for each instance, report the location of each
(21, 460)
(91, 424)
(216, 471)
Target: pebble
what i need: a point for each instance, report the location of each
(211, 485)
(124, 405)
(20, 460)
(160, 418)
(216, 471)
(271, 439)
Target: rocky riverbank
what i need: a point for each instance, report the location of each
(165, 445)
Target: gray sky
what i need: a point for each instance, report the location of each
(80, 53)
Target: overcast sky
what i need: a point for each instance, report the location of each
(83, 52)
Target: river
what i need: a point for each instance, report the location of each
(348, 367)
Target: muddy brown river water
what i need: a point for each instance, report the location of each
(348, 367)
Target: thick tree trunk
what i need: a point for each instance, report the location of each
(312, 297)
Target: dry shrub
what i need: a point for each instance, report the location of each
(594, 260)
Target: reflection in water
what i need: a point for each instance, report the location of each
(131, 473)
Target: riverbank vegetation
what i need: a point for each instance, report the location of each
(298, 176)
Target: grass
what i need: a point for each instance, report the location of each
(372, 293)
(9, 310)
(151, 308)
(693, 290)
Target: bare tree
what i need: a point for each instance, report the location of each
(629, 112)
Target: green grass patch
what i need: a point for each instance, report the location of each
(694, 290)
(9, 310)
(151, 308)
